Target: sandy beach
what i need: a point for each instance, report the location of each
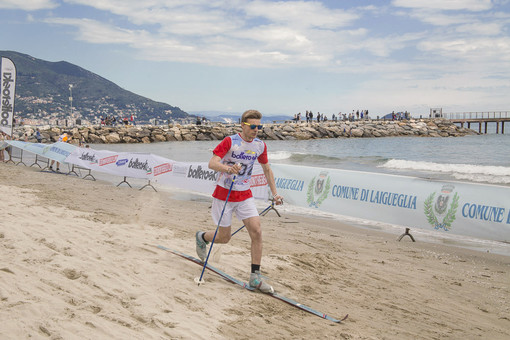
(78, 260)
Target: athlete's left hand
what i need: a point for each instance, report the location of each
(278, 199)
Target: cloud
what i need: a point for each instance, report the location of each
(300, 14)
(28, 5)
(224, 33)
(481, 28)
(307, 34)
(93, 31)
(439, 19)
(469, 5)
(471, 49)
(178, 17)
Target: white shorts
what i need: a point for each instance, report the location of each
(244, 209)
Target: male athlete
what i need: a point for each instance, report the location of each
(235, 156)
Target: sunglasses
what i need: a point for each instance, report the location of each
(253, 126)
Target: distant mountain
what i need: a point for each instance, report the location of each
(42, 91)
(231, 117)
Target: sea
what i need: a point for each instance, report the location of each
(475, 159)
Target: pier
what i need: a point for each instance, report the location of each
(480, 118)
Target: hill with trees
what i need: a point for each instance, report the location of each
(43, 91)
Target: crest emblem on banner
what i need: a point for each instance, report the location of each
(441, 212)
(318, 189)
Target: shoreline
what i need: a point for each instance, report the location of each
(218, 131)
(80, 261)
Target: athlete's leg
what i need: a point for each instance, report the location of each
(224, 220)
(254, 230)
(223, 235)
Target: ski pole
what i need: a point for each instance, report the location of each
(216, 232)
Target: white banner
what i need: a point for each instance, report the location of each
(198, 177)
(56, 151)
(134, 165)
(186, 175)
(7, 95)
(461, 208)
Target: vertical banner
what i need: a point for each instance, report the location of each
(8, 86)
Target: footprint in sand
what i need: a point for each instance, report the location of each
(71, 274)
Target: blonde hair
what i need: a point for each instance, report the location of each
(250, 114)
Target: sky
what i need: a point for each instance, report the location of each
(279, 57)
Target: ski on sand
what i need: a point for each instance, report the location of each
(243, 284)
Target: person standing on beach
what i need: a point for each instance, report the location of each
(7, 148)
(3, 146)
(62, 138)
(234, 158)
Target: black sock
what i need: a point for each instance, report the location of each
(255, 267)
(203, 237)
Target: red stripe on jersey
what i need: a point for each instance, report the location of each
(221, 193)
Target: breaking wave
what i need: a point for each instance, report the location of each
(470, 172)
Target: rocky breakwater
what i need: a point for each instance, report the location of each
(286, 131)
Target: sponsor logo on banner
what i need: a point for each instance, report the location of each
(7, 98)
(162, 168)
(318, 189)
(7, 95)
(258, 180)
(180, 170)
(441, 212)
(122, 162)
(108, 160)
(245, 156)
(59, 151)
(88, 158)
(198, 173)
(137, 165)
(7, 81)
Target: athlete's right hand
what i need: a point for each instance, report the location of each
(234, 169)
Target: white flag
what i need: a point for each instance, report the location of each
(7, 87)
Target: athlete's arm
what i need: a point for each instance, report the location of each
(268, 172)
(218, 153)
(216, 165)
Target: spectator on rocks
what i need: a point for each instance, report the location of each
(38, 136)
